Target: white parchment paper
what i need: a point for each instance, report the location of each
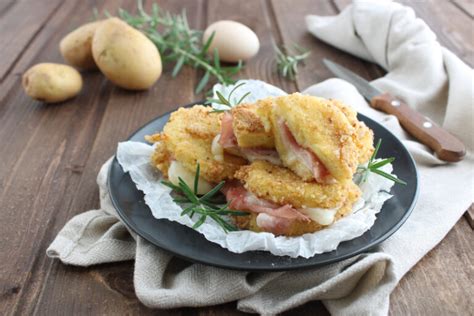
(134, 157)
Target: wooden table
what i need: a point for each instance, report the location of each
(50, 154)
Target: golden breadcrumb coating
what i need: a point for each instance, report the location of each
(364, 137)
(187, 138)
(161, 157)
(297, 228)
(248, 124)
(281, 186)
(321, 127)
(252, 126)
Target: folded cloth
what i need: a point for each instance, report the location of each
(429, 78)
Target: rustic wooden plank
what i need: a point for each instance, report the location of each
(441, 283)
(256, 15)
(466, 6)
(42, 177)
(58, 150)
(15, 39)
(124, 112)
(5, 6)
(454, 30)
(313, 70)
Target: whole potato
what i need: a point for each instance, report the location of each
(76, 47)
(51, 83)
(126, 56)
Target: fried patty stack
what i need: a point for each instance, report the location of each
(288, 161)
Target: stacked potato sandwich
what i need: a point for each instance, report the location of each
(288, 161)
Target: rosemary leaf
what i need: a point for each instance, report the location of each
(187, 191)
(200, 221)
(213, 192)
(187, 210)
(388, 176)
(287, 64)
(204, 206)
(177, 67)
(203, 82)
(196, 178)
(171, 185)
(363, 171)
(243, 97)
(227, 101)
(382, 163)
(222, 99)
(206, 46)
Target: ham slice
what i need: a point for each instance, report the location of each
(227, 139)
(241, 199)
(273, 224)
(307, 157)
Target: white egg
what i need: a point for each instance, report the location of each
(234, 41)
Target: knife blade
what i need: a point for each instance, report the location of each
(446, 146)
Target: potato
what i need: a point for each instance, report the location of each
(126, 56)
(76, 46)
(51, 83)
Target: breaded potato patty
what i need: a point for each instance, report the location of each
(248, 124)
(281, 186)
(364, 137)
(296, 228)
(161, 157)
(322, 128)
(187, 138)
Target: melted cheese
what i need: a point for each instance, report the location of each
(177, 170)
(253, 156)
(216, 149)
(323, 216)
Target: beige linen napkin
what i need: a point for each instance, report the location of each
(429, 78)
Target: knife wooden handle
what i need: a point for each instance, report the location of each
(446, 146)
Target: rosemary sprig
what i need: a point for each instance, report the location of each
(287, 64)
(227, 101)
(179, 43)
(204, 206)
(374, 167)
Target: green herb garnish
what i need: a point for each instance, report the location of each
(179, 43)
(204, 205)
(373, 166)
(228, 102)
(287, 64)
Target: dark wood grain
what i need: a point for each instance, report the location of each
(313, 69)
(258, 16)
(15, 39)
(123, 113)
(50, 154)
(441, 283)
(466, 6)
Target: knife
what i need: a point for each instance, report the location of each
(446, 146)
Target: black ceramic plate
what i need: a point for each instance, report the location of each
(191, 245)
